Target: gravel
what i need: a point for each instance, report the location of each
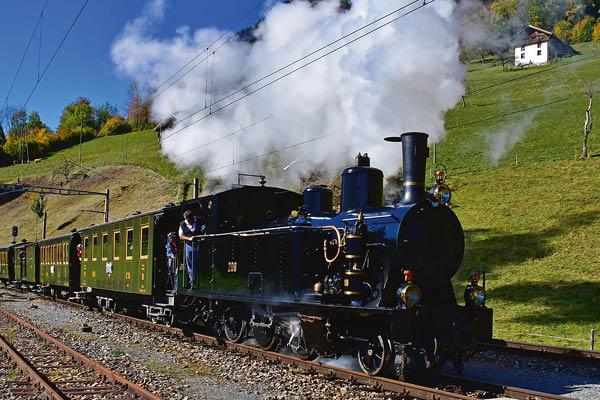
(175, 368)
(179, 369)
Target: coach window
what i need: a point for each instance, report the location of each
(104, 246)
(66, 253)
(144, 242)
(129, 244)
(116, 245)
(85, 248)
(94, 247)
(59, 254)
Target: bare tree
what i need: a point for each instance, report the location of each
(589, 121)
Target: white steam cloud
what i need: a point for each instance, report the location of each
(403, 77)
(503, 139)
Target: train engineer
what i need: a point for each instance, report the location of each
(189, 228)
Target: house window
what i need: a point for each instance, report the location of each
(129, 244)
(522, 55)
(539, 52)
(522, 48)
(85, 248)
(94, 247)
(539, 45)
(144, 242)
(116, 244)
(104, 245)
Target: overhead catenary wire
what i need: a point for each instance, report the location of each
(237, 24)
(24, 54)
(222, 137)
(54, 54)
(270, 153)
(424, 4)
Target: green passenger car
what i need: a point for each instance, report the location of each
(59, 264)
(7, 264)
(118, 256)
(26, 263)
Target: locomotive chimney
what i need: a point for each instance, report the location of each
(414, 157)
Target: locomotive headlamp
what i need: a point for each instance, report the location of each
(477, 295)
(442, 193)
(409, 294)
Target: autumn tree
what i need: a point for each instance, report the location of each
(596, 32)
(139, 106)
(103, 113)
(562, 30)
(583, 30)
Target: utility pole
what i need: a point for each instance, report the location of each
(106, 205)
(44, 226)
(80, 138)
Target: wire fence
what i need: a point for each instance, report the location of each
(591, 339)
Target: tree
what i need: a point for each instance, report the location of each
(37, 205)
(76, 115)
(2, 136)
(583, 30)
(587, 125)
(562, 30)
(596, 32)
(35, 123)
(115, 126)
(139, 107)
(103, 113)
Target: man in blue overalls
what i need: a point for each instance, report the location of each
(189, 228)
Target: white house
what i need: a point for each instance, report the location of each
(535, 46)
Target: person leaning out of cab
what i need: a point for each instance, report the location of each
(189, 228)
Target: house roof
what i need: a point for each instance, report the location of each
(531, 35)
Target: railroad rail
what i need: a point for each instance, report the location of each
(570, 352)
(50, 368)
(454, 388)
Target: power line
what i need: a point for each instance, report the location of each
(222, 137)
(528, 75)
(25, 53)
(270, 153)
(54, 55)
(252, 12)
(302, 66)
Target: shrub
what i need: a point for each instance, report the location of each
(115, 126)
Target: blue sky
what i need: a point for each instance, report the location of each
(83, 66)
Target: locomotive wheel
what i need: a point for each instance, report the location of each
(266, 338)
(375, 357)
(235, 328)
(300, 348)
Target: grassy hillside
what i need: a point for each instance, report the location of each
(534, 224)
(130, 166)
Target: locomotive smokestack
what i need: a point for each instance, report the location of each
(414, 157)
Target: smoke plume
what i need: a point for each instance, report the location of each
(403, 77)
(503, 139)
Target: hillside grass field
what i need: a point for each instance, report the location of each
(531, 219)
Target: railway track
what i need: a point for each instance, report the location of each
(33, 364)
(445, 387)
(553, 351)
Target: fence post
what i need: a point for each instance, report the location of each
(592, 339)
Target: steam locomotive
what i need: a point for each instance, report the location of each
(285, 268)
